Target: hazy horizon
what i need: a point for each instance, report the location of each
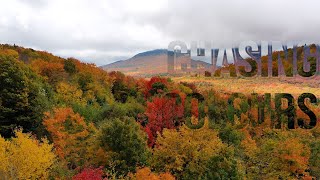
(103, 32)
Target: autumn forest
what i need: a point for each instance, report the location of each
(61, 118)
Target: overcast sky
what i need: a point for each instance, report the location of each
(103, 31)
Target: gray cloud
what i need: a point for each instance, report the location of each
(105, 31)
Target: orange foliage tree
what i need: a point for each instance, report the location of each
(71, 136)
(53, 72)
(145, 173)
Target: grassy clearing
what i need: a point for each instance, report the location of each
(253, 85)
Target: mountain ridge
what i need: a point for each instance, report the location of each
(148, 63)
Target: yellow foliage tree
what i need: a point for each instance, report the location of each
(281, 155)
(186, 150)
(70, 94)
(24, 157)
(9, 52)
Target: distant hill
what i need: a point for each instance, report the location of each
(147, 63)
(156, 52)
(154, 62)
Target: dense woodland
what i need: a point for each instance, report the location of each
(65, 119)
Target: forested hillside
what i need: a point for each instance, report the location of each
(65, 119)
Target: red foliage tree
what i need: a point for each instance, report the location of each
(194, 107)
(162, 112)
(89, 174)
(153, 80)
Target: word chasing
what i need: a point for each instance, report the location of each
(249, 59)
